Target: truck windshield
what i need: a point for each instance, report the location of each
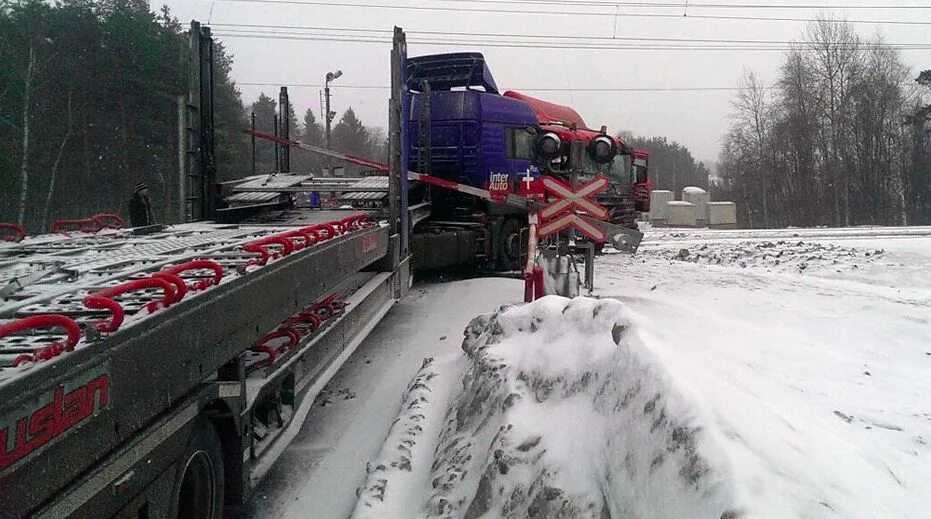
(520, 143)
(618, 170)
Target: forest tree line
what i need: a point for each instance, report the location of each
(89, 92)
(88, 108)
(348, 134)
(841, 138)
(672, 166)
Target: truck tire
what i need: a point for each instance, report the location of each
(198, 492)
(508, 245)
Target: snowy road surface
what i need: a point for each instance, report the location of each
(803, 354)
(319, 472)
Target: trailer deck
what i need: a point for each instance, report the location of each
(101, 333)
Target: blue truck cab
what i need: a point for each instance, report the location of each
(462, 129)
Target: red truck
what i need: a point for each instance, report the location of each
(629, 192)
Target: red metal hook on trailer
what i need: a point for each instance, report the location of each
(292, 336)
(270, 351)
(355, 222)
(310, 235)
(328, 307)
(103, 300)
(85, 225)
(108, 221)
(314, 232)
(300, 233)
(330, 229)
(44, 321)
(258, 247)
(16, 232)
(174, 279)
(306, 321)
(202, 264)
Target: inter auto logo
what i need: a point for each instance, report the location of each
(498, 182)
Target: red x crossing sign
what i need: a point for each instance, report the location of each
(571, 219)
(571, 200)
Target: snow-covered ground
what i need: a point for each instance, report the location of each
(714, 381)
(817, 380)
(318, 474)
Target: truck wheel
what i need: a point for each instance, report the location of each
(509, 245)
(199, 484)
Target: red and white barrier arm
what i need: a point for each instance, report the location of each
(511, 199)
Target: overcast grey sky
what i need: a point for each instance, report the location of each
(694, 118)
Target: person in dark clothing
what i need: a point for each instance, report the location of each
(141, 213)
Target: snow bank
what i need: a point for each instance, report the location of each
(777, 256)
(398, 475)
(562, 412)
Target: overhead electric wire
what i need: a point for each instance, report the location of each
(438, 41)
(614, 13)
(288, 30)
(525, 89)
(684, 5)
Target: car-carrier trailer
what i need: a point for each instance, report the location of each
(159, 371)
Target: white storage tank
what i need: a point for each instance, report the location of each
(722, 215)
(680, 214)
(701, 199)
(658, 199)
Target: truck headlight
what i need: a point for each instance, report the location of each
(548, 145)
(602, 149)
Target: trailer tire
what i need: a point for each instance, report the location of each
(199, 485)
(509, 245)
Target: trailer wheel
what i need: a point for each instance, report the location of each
(509, 245)
(199, 488)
